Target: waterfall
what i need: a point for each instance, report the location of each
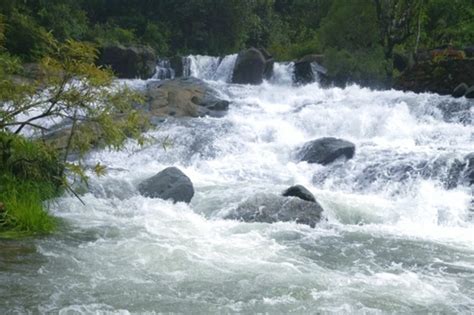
(209, 68)
(164, 70)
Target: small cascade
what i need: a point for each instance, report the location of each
(164, 70)
(209, 67)
(283, 73)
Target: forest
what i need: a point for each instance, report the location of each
(362, 35)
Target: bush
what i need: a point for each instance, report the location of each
(107, 34)
(30, 174)
(363, 67)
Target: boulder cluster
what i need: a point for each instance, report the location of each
(295, 204)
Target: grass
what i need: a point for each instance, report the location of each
(24, 208)
(29, 177)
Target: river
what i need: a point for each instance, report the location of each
(394, 238)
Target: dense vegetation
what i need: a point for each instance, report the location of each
(66, 86)
(361, 34)
(358, 38)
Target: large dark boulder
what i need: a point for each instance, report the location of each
(270, 208)
(309, 69)
(184, 97)
(170, 183)
(299, 191)
(326, 150)
(252, 66)
(129, 62)
(460, 90)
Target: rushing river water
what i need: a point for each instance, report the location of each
(395, 239)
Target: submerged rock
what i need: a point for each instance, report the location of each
(252, 66)
(129, 62)
(326, 150)
(270, 208)
(300, 192)
(184, 97)
(170, 183)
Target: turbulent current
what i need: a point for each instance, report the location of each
(394, 238)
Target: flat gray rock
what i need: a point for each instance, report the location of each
(270, 208)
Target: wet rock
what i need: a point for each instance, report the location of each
(326, 150)
(469, 172)
(129, 62)
(470, 92)
(170, 183)
(299, 191)
(270, 208)
(460, 90)
(454, 175)
(176, 63)
(184, 97)
(252, 66)
(469, 51)
(308, 69)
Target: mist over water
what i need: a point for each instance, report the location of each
(394, 238)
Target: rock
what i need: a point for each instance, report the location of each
(469, 172)
(268, 71)
(470, 92)
(454, 174)
(176, 63)
(129, 62)
(252, 66)
(164, 70)
(326, 150)
(469, 51)
(460, 90)
(299, 191)
(270, 208)
(170, 183)
(308, 69)
(184, 97)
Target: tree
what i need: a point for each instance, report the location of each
(396, 20)
(70, 88)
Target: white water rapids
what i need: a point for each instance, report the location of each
(395, 239)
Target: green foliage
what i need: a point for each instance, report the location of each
(29, 175)
(25, 37)
(448, 22)
(349, 25)
(106, 34)
(23, 207)
(365, 67)
(65, 19)
(157, 36)
(69, 87)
